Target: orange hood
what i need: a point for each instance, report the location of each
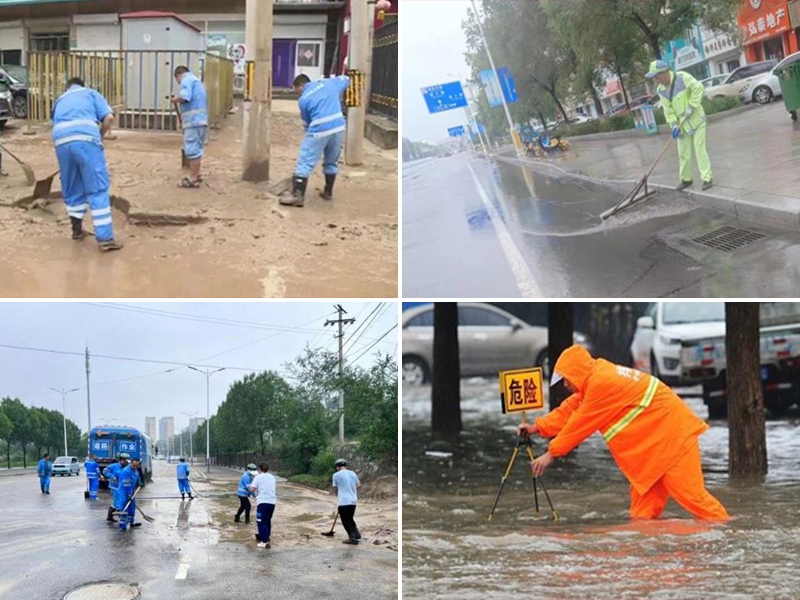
(574, 365)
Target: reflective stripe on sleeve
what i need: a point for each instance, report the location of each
(634, 412)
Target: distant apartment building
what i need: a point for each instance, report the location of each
(166, 428)
(150, 428)
(195, 422)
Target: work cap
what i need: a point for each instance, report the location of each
(340, 462)
(251, 467)
(123, 455)
(656, 67)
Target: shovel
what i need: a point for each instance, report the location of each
(331, 532)
(144, 516)
(184, 160)
(31, 178)
(43, 186)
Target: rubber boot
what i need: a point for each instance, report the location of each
(247, 521)
(109, 245)
(298, 196)
(327, 193)
(191, 497)
(236, 519)
(110, 516)
(183, 497)
(77, 229)
(683, 185)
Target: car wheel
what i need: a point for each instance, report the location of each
(415, 371)
(543, 361)
(20, 107)
(762, 94)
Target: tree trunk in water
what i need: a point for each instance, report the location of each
(560, 325)
(747, 446)
(446, 388)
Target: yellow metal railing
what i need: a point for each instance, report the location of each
(137, 84)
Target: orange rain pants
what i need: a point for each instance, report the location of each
(650, 432)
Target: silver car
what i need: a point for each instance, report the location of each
(66, 465)
(490, 340)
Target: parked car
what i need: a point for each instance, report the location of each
(766, 87)
(5, 105)
(619, 109)
(490, 340)
(66, 465)
(665, 328)
(579, 119)
(642, 100)
(16, 79)
(738, 78)
(714, 80)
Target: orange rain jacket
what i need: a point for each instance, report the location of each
(645, 424)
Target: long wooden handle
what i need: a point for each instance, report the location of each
(663, 150)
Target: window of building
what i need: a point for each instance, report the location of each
(11, 57)
(308, 54)
(49, 42)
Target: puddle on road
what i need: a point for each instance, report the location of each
(450, 550)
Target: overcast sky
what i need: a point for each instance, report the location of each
(181, 332)
(433, 52)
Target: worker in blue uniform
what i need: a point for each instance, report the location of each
(44, 469)
(111, 473)
(92, 476)
(129, 481)
(244, 493)
(183, 480)
(321, 111)
(193, 101)
(81, 119)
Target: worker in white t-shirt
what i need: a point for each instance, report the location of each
(346, 483)
(264, 487)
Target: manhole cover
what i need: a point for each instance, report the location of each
(728, 238)
(103, 591)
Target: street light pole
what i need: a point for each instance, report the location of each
(208, 373)
(64, 412)
(514, 133)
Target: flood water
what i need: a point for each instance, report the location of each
(450, 550)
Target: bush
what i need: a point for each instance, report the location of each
(315, 481)
(322, 464)
(720, 104)
(618, 123)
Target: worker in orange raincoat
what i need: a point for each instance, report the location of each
(652, 434)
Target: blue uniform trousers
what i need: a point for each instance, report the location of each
(329, 147)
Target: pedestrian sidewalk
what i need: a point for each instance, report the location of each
(754, 158)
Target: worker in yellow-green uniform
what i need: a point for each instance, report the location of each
(681, 95)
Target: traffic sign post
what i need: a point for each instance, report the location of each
(446, 96)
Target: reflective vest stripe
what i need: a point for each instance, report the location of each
(74, 123)
(77, 138)
(634, 412)
(191, 113)
(320, 134)
(327, 119)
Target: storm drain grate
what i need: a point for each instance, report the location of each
(728, 238)
(103, 591)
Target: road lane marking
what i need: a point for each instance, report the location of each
(525, 282)
(183, 568)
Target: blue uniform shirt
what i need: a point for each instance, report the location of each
(244, 485)
(347, 483)
(92, 469)
(44, 468)
(183, 471)
(128, 479)
(195, 110)
(321, 106)
(111, 472)
(77, 114)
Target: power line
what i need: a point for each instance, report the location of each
(364, 322)
(378, 314)
(392, 328)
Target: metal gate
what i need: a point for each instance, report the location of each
(383, 98)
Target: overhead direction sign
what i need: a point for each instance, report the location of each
(521, 390)
(446, 96)
(456, 131)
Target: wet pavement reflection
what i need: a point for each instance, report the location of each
(453, 248)
(450, 550)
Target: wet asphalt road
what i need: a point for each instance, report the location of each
(52, 544)
(476, 227)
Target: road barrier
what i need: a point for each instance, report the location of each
(137, 84)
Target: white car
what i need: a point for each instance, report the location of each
(665, 328)
(765, 87)
(66, 465)
(714, 80)
(738, 78)
(579, 119)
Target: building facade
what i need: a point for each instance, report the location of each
(150, 428)
(767, 31)
(166, 429)
(195, 423)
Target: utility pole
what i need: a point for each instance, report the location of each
(191, 435)
(514, 133)
(341, 322)
(208, 373)
(64, 413)
(88, 397)
(257, 109)
(357, 59)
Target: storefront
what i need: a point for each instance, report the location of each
(766, 29)
(722, 52)
(688, 54)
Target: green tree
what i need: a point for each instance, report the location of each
(24, 424)
(6, 427)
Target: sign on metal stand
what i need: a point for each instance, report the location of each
(446, 96)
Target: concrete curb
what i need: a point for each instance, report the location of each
(16, 472)
(782, 212)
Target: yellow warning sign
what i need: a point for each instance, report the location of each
(521, 390)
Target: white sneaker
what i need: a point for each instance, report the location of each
(262, 545)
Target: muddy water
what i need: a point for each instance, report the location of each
(450, 550)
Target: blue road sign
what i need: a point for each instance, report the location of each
(456, 131)
(505, 86)
(446, 96)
